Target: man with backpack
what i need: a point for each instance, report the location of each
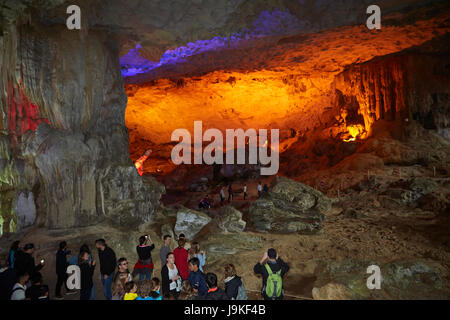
(18, 291)
(272, 273)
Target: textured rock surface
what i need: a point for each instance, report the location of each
(77, 165)
(400, 279)
(290, 207)
(229, 219)
(190, 222)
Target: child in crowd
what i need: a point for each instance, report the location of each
(156, 293)
(130, 291)
(144, 290)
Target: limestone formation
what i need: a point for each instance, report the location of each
(229, 219)
(190, 222)
(290, 207)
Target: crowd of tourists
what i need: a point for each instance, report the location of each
(182, 274)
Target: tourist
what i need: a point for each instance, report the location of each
(118, 285)
(259, 188)
(214, 292)
(18, 291)
(144, 266)
(24, 261)
(186, 242)
(107, 259)
(7, 279)
(122, 269)
(187, 292)
(144, 290)
(165, 249)
(37, 291)
(222, 195)
(245, 191)
(181, 259)
(87, 272)
(230, 193)
(266, 188)
(61, 270)
(272, 271)
(15, 247)
(156, 291)
(197, 278)
(130, 291)
(234, 288)
(195, 252)
(74, 261)
(171, 279)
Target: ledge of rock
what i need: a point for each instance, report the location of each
(290, 207)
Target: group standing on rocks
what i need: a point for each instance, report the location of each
(182, 274)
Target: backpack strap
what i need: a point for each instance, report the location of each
(18, 288)
(268, 269)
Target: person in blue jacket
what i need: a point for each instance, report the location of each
(197, 278)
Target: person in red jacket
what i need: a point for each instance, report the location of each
(181, 259)
(139, 164)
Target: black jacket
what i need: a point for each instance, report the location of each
(7, 282)
(24, 263)
(219, 294)
(61, 262)
(145, 253)
(87, 271)
(108, 261)
(232, 286)
(165, 281)
(37, 291)
(275, 267)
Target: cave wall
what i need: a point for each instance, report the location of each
(411, 85)
(69, 160)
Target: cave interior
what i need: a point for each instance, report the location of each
(363, 118)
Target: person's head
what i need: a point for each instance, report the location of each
(259, 182)
(85, 248)
(36, 278)
(15, 245)
(167, 240)
(194, 264)
(156, 283)
(186, 290)
(130, 287)
(118, 287)
(83, 256)
(230, 270)
(100, 244)
(272, 254)
(195, 247)
(170, 258)
(62, 245)
(181, 242)
(144, 288)
(122, 263)
(28, 248)
(23, 278)
(142, 240)
(211, 280)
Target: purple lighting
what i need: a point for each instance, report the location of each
(267, 24)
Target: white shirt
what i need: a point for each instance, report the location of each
(18, 294)
(172, 273)
(259, 187)
(245, 188)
